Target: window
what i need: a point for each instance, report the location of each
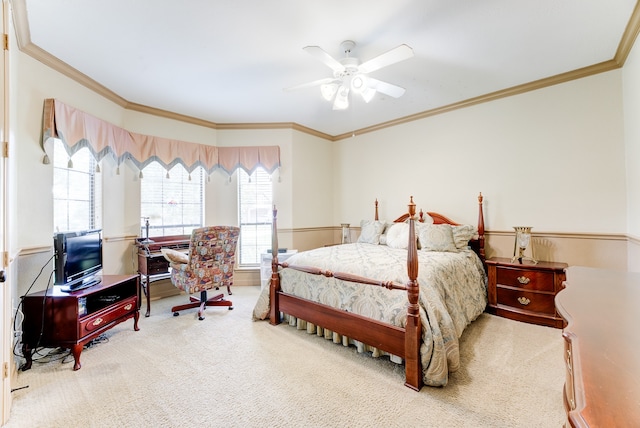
(255, 215)
(174, 205)
(77, 190)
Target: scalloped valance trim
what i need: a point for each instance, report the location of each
(77, 130)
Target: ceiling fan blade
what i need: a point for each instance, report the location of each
(396, 54)
(311, 84)
(320, 54)
(385, 88)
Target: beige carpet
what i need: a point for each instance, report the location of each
(228, 371)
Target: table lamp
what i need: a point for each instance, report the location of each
(346, 233)
(522, 242)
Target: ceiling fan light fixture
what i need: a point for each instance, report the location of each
(328, 90)
(342, 99)
(349, 74)
(359, 83)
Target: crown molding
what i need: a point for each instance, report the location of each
(503, 93)
(629, 36)
(23, 36)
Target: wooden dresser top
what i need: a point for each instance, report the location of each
(602, 308)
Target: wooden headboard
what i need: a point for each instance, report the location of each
(477, 244)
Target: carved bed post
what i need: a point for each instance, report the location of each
(274, 284)
(413, 328)
(376, 216)
(480, 228)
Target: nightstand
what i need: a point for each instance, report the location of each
(525, 291)
(265, 265)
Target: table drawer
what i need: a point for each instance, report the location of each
(101, 318)
(526, 279)
(156, 265)
(527, 300)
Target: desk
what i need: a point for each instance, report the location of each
(152, 266)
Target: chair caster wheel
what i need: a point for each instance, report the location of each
(230, 308)
(200, 318)
(175, 314)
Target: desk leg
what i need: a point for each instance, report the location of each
(148, 293)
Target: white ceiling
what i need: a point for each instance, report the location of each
(229, 61)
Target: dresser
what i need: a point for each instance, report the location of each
(525, 291)
(602, 347)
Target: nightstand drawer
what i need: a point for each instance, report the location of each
(526, 300)
(525, 278)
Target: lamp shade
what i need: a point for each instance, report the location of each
(342, 98)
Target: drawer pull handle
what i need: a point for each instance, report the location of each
(523, 280)
(128, 307)
(524, 301)
(98, 321)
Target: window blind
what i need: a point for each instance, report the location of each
(255, 201)
(77, 191)
(173, 201)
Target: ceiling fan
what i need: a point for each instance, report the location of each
(349, 75)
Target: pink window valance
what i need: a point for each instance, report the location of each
(78, 130)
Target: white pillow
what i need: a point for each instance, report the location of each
(383, 237)
(398, 236)
(437, 237)
(370, 231)
(174, 256)
(462, 234)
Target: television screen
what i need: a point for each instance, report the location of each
(78, 257)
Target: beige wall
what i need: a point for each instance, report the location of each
(553, 159)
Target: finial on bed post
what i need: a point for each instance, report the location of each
(274, 284)
(413, 333)
(480, 227)
(376, 216)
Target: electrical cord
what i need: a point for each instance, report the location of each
(15, 316)
(31, 286)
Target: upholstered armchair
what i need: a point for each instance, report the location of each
(208, 264)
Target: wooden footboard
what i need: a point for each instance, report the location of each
(403, 342)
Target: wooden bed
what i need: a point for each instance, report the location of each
(403, 342)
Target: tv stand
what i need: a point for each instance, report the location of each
(71, 319)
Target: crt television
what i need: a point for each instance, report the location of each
(78, 258)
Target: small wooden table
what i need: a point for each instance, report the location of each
(54, 318)
(152, 266)
(525, 291)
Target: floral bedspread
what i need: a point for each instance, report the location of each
(452, 294)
